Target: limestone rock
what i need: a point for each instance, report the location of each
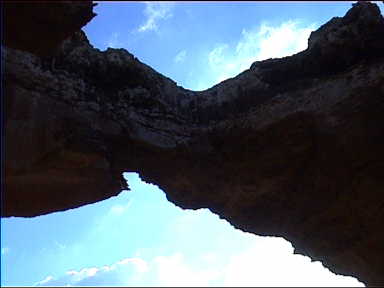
(291, 147)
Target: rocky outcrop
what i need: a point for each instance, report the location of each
(291, 147)
(40, 26)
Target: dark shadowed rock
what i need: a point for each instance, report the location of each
(292, 147)
(40, 26)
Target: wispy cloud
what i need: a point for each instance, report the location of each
(119, 209)
(120, 273)
(45, 281)
(265, 42)
(155, 12)
(60, 245)
(216, 56)
(114, 41)
(180, 57)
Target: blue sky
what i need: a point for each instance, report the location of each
(139, 238)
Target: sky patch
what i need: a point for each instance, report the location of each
(114, 41)
(155, 12)
(254, 266)
(266, 41)
(180, 57)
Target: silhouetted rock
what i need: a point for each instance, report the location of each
(40, 26)
(292, 147)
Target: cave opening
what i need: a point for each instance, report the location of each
(139, 238)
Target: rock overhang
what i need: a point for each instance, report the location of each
(298, 157)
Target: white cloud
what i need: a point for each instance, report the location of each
(121, 273)
(155, 11)
(257, 44)
(180, 57)
(175, 270)
(199, 249)
(270, 262)
(216, 56)
(267, 262)
(43, 282)
(285, 40)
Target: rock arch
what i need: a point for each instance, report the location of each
(291, 147)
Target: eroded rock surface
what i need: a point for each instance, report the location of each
(292, 147)
(40, 26)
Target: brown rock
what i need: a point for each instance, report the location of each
(291, 147)
(40, 26)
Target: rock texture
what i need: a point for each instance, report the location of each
(40, 26)
(292, 147)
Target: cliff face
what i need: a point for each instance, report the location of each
(291, 147)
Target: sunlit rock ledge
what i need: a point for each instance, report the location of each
(291, 147)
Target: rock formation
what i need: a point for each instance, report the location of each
(40, 26)
(292, 147)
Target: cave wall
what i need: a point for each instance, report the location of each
(291, 147)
